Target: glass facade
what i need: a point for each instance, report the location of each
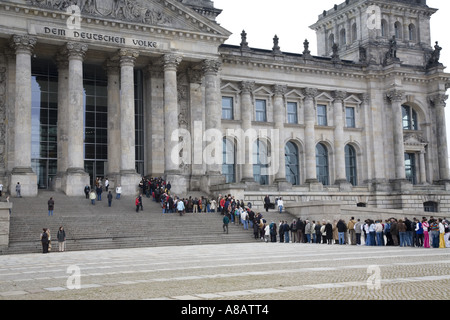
(260, 162)
(44, 118)
(228, 165)
(350, 164)
(291, 160)
(410, 167)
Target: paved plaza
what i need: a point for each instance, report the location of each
(250, 271)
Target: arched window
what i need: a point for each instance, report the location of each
(384, 28)
(398, 30)
(291, 159)
(260, 162)
(330, 42)
(409, 116)
(228, 165)
(342, 37)
(322, 164)
(354, 32)
(350, 164)
(412, 32)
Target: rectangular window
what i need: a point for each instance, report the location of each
(410, 167)
(322, 115)
(261, 115)
(227, 108)
(292, 112)
(350, 117)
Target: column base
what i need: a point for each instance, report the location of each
(283, 184)
(129, 181)
(344, 185)
(401, 185)
(179, 184)
(314, 185)
(28, 182)
(74, 181)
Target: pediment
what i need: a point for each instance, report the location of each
(324, 97)
(230, 88)
(352, 100)
(414, 139)
(169, 14)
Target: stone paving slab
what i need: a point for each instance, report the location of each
(250, 271)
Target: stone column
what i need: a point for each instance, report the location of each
(423, 174)
(245, 142)
(339, 157)
(76, 177)
(129, 179)
(279, 118)
(172, 162)
(22, 172)
(438, 101)
(310, 141)
(213, 120)
(63, 123)
(396, 97)
(113, 71)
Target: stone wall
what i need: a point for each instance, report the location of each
(4, 223)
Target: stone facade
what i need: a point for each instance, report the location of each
(362, 122)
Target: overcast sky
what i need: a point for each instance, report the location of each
(290, 21)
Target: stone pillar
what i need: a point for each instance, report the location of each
(76, 177)
(22, 172)
(279, 118)
(113, 169)
(339, 151)
(213, 120)
(129, 179)
(245, 144)
(396, 97)
(438, 101)
(310, 141)
(172, 162)
(63, 123)
(423, 174)
(154, 115)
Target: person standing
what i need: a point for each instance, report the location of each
(426, 235)
(61, 236)
(434, 228)
(51, 206)
(1, 189)
(18, 187)
(351, 230)
(329, 232)
(118, 191)
(402, 233)
(419, 233)
(92, 196)
(441, 234)
(44, 240)
(87, 190)
(180, 207)
(358, 231)
(280, 205)
(226, 221)
(106, 184)
(341, 228)
(110, 197)
(136, 203)
(267, 203)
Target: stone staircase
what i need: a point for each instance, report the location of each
(92, 227)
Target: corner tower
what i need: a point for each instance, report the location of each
(364, 30)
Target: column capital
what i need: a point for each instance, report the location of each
(365, 98)
(75, 50)
(23, 43)
(127, 56)
(310, 93)
(279, 89)
(171, 61)
(438, 99)
(211, 67)
(395, 95)
(247, 86)
(339, 96)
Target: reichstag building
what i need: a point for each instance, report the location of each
(130, 88)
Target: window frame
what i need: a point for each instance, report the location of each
(230, 110)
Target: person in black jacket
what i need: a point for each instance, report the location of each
(267, 203)
(281, 231)
(44, 240)
(329, 231)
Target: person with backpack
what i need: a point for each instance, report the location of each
(226, 221)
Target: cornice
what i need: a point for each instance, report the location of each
(209, 31)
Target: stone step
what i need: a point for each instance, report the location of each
(91, 227)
